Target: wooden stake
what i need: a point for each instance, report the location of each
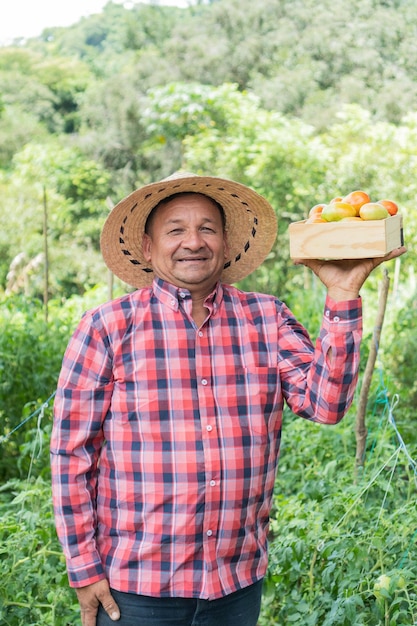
(46, 254)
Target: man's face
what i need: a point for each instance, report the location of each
(186, 243)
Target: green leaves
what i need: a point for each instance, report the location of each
(340, 553)
(33, 582)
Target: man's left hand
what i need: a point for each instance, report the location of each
(345, 278)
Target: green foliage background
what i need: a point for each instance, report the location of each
(302, 101)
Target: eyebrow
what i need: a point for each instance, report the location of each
(178, 220)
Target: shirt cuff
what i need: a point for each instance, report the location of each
(343, 316)
(85, 569)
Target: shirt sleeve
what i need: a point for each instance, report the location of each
(81, 403)
(319, 381)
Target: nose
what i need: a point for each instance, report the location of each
(193, 240)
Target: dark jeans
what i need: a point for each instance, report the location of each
(240, 608)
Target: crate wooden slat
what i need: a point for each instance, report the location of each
(345, 240)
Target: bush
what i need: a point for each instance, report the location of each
(31, 351)
(332, 539)
(402, 350)
(30, 357)
(33, 582)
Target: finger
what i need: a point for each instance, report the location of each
(388, 257)
(395, 253)
(110, 606)
(90, 598)
(88, 617)
(313, 264)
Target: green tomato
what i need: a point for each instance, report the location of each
(381, 586)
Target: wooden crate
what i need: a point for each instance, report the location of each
(345, 240)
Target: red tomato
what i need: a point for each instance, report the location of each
(357, 199)
(390, 205)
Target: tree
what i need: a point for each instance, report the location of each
(43, 86)
(76, 190)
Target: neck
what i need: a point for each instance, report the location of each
(199, 312)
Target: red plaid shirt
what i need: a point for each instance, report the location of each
(166, 436)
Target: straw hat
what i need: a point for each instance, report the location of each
(251, 226)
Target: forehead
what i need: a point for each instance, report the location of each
(192, 200)
(185, 206)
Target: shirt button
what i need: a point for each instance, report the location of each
(336, 318)
(209, 533)
(209, 428)
(204, 382)
(182, 294)
(327, 313)
(200, 333)
(172, 302)
(212, 483)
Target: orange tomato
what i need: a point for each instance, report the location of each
(315, 219)
(390, 205)
(316, 210)
(357, 199)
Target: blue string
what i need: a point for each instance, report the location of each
(382, 399)
(391, 420)
(45, 404)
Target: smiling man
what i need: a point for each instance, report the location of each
(169, 405)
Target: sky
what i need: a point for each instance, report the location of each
(28, 18)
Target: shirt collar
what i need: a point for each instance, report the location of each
(171, 295)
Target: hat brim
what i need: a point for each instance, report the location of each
(251, 226)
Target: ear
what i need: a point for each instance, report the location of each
(147, 247)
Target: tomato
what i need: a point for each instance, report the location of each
(382, 587)
(316, 210)
(373, 211)
(335, 211)
(357, 199)
(315, 219)
(390, 205)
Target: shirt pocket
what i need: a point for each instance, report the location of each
(251, 399)
(133, 401)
